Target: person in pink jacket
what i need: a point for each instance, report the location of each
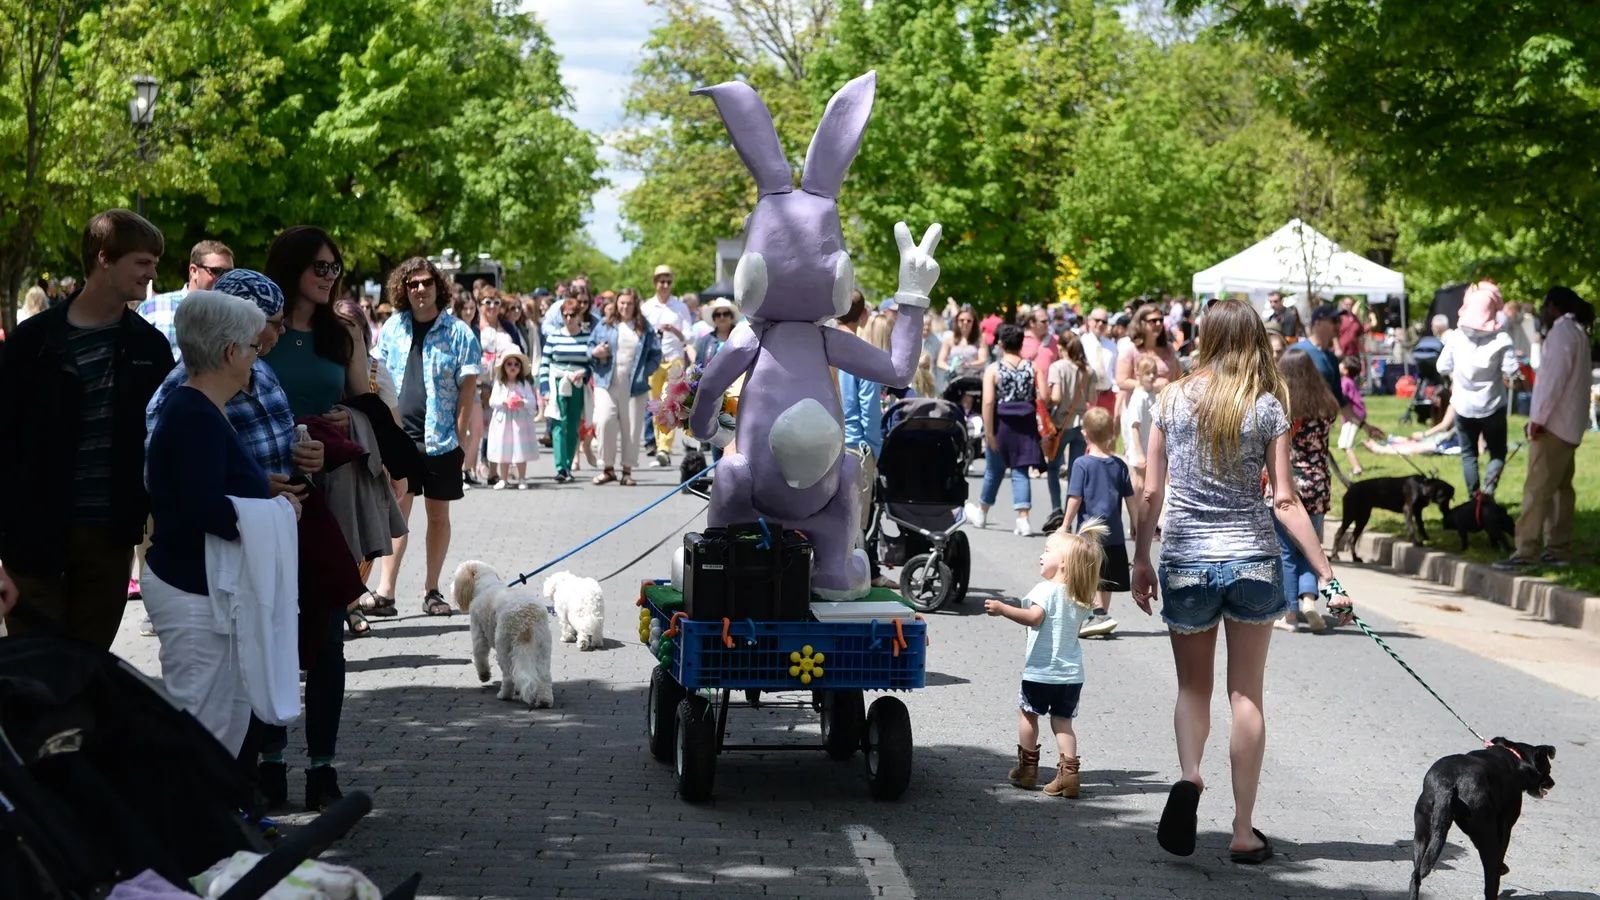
(1556, 424)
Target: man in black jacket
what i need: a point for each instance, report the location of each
(74, 382)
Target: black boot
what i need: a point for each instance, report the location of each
(322, 788)
(272, 779)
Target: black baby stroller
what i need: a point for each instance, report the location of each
(922, 487)
(966, 393)
(1432, 393)
(102, 778)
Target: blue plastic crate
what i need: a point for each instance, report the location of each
(858, 655)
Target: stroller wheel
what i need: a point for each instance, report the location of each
(926, 583)
(958, 556)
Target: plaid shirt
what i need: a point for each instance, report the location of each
(160, 310)
(260, 414)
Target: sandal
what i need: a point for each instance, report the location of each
(627, 479)
(433, 604)
(1253, 857)
(372, 604)
(605, 477)
(1179, 820)
(357, 623)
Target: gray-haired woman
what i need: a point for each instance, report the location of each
(194, 463)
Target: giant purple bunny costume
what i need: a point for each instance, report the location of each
(793, 277)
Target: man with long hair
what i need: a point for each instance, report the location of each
(435, 360)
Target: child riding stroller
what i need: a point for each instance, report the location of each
(922, 487)
(966, 393)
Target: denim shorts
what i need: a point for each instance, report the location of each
(1057, 700)
(1195, 596)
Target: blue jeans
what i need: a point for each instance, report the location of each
(1196, 595)
(1492, 428)
(1298, 577)
(993, 468)
(1072, 446)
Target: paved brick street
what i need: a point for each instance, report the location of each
(489, 799)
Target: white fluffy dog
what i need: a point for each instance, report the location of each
(516, 625)
(580, 608)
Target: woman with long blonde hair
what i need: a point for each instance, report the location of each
(1215, 430)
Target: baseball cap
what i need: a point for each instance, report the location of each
(1325, 312)
(541, 292)
(888, 305)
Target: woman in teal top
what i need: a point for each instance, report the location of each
(321, 357)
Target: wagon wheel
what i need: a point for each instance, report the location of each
(887, 748)
(843, 715)
(695, 762)
(661, 713)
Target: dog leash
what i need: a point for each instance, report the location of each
(653, 547)
(523, 578)
(1334, 586)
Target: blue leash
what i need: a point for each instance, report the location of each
(522, 579)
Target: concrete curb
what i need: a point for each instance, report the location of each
(1535, 596)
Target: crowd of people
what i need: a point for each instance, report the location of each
(157, 431)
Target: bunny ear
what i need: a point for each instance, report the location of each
(750, 125)
(838, 136)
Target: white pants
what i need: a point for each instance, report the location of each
(618, 418)
(199, 665)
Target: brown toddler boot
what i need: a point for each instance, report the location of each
(1065, 784)
(1026, 773)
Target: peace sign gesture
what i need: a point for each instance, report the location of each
(918, 270)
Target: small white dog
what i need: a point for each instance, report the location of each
(580, 608)
(516, 625)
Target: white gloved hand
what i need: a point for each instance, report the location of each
(918, 270)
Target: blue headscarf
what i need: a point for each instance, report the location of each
(253, 286)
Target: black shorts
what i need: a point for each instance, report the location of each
(1041, 699)
(1115, 575)
(441, 479)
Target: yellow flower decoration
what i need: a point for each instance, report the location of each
(805, 664)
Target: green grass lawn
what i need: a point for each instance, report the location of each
(1583, 574)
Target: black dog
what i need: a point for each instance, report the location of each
(1482, 793)
(1481, 513)
(1406, 494)
(694, 462)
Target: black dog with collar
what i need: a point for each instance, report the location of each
(1405, 494)
(1481, 792)
(1481, 513)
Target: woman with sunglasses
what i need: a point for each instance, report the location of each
(1149, 336)
(465, 308)
(322, 356)
(563, 373)
(962, 352)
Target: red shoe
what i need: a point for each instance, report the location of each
(133, 590)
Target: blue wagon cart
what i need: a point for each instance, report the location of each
(700, 664)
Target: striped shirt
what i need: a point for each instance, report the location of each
(563, 352)
(94, 353)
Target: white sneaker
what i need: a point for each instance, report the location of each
(525, 484)
(976, 515)
(1024, 527)
(500, 485)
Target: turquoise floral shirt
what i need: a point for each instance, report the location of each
(450, 353)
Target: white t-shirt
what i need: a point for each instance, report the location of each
(672, 312)
(1139, 410)
(1054, 654)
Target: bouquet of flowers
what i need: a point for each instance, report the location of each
(678, 397)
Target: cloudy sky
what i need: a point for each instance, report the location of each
(599, 42)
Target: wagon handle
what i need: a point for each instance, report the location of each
(726, 640)
(672, 624)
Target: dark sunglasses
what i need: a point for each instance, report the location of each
(420, 284)
(663, 281)
(216, 271)
(1095, 321)
(722, 315)
(324, 268)
(572, 315)
(1152, 320)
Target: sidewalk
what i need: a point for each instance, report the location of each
(1540, 599)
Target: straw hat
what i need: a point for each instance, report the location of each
(500, 362)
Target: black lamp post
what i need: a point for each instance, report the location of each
(141, 112)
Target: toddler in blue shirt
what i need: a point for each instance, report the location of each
(1052, 675)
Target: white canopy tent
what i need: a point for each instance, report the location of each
(1301, 262)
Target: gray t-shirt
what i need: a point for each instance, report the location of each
(1215, 512)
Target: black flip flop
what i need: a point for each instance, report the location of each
(1253, 857)
(1176, 832)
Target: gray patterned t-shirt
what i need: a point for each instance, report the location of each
(1215, 512)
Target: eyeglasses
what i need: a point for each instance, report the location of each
(216, 271)
(722, 315)
(491, 303)
(323, 268)
(663, 281)
(572, 315)
(420, 284)
(1096, 321)
(1152, 320)
(279, 326)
